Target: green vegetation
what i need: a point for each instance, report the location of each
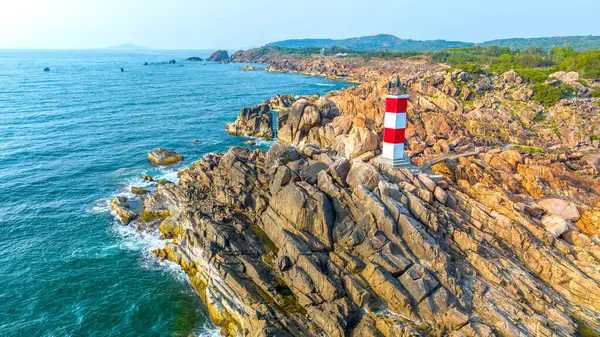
(373, 43)
(530, 149)
(533, 64)
(587, 63)
(393, 43)
(576, 42)
(548, 95)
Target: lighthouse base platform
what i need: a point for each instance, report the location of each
(402, 163)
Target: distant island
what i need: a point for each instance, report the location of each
(393, 43)
(128, 46)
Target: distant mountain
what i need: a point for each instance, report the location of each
(128, 46)
(375, 42)
(576, 42)
(390, 42)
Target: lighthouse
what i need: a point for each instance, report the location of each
(394, 128)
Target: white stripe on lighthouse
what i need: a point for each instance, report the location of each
(393, 151)
(395, 120)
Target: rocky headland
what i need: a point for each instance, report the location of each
(495, 235)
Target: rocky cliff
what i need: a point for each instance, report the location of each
(495, 235)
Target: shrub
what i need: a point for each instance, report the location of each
(547, 95)
(587, 64)
(534, 75)
(471, 68)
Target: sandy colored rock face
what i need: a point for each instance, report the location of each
(164, 157)
(339, 254)
(306, 240)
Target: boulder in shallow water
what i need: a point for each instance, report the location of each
(120, 205)
(139, 190)
(164, 157)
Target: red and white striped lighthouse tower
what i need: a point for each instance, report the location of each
(394, 128)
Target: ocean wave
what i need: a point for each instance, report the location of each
(324, 84)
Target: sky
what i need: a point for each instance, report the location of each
(240, 24)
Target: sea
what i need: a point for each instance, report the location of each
(72, 138)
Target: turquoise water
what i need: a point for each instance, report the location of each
(71, 139)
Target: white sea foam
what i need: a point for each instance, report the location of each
(260, 141)
(325, 84)
(208, 331)
(101, 206)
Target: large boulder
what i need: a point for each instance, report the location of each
(363, 174)
(512, 77)
(555, 225)
(164, 157)
(282, 102)
(218, 56)
(306, 209)
(280, 154)
(294, 126)
(256, 121)
(565, 77)
(360, 140)
(559, 207)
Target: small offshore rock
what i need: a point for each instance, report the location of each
(164, 157)
(139, 190)
(250, 142)
(219, 56)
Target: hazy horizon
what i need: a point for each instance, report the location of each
(201, 25)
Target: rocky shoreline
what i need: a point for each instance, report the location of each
(496, 235)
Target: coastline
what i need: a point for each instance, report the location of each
(312, 237)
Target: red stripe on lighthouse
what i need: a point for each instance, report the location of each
(394, 136)
(395, 104)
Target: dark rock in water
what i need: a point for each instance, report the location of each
(46, 69)
(194, 59)
(122, 70)
(145, 63)
(219, 56)
(172, 62)
(196, 141)
(147, 178)
(164, 157)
